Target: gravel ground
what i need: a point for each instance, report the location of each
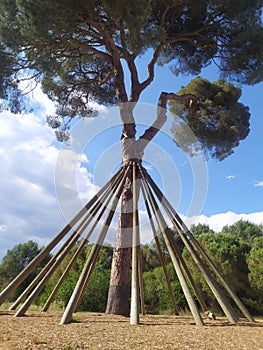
(39, 330)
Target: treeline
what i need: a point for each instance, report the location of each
(237, 251)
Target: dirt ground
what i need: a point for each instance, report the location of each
(91, 331)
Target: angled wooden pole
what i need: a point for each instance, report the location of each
(141, 284)
(187, 292)
(49, 268)
(46, 268)
(105, 206)
(188, 274)
(47, 249)
(67, 316)
(58, 258)
(64, 275)
(104, 201)
(220, 297)
(32, 265)
(158, 245)
(228, 288)
(134, 316)
(226, 307)
(163, 228)
(44, 280)
(168, 281)
(90, 263)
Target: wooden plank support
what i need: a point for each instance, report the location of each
(197, 291)
(44, 280)
(228, 288)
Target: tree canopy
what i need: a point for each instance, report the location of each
(217, 119)
(77, 49)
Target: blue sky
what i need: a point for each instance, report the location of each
(236, 183)
(32, 184)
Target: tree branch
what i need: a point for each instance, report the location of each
(161, 118)
(118, 70)
(151, 65)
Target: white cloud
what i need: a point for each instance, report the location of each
(217, 221)
(37, 101)
(230, 177)
(28, 155)
(258, 184)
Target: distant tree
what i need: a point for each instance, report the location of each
(157, 297)
(246, 230)
(150, 254)
(255, 264)
(16, 260)
(201, 228)
(150, 257)
(78, 49)
(95, 296)
(229, 253)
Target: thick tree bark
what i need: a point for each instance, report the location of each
(119, 291)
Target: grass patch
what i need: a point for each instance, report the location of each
(55, 306)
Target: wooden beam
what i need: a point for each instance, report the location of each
(163, 226)
(134, 316)
(226, 307)
(46, 250)
(90, 263)
(175, 307)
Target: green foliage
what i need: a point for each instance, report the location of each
(201, 228)
(237, 251)
(245, 230)
(217, 119)
(232, 252)
(157, 297)
(10, 94)
(150, 257)
(255, 265)
(229, 254)
(95, 296)
(76, 49)
(227, 24)
(15, 261)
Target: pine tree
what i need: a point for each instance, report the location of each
(77, 49)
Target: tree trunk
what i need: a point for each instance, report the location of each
(119, 291)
